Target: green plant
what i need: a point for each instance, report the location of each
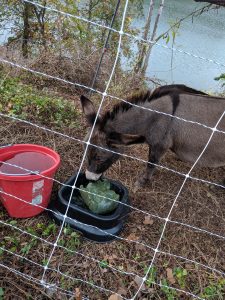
(24, 101)
(181, 275)
(103, 264)
(12, 243)
(50, 229)
(44, 261)
(151, 276)
(28, 245)
(73, 241)
(214, 291)
(170, 293)
(221, 78)
(70, 240)
(1, 293)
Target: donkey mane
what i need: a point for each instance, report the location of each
(149, 95)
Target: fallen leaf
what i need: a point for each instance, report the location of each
(114, 297)
(148, 220)
(132, 237)
(122, 291)
(170, 276)
(110, 258)
(78, 294)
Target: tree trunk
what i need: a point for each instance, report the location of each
(90, 6)
(26, 30)
(40, 15)
(146, 60)
(143, 47)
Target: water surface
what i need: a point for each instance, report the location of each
(204, 37)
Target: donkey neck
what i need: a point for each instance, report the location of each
(130, 121)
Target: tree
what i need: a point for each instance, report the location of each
(145, 49)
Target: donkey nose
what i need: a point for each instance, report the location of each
(92, 176)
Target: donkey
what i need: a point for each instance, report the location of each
(128, 124)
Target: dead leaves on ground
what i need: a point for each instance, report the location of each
(148, 220)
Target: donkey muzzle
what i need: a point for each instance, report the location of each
(92, 176)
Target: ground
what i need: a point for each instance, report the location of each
(198, 205)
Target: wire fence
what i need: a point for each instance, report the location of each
(164, 220)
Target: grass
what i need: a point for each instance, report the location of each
(26, 102)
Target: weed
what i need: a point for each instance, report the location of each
(181, 275)
(73, 241)
(169, 293)
(13, 222)
(1, 293)
(44, 262)
(137, 257)
(151, 276)
(103, 264)
(214, 291)
(28, 245)
(24, 101)
(50, 229)
(11, 242)
(70, 240)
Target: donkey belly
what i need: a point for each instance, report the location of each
(190, 149)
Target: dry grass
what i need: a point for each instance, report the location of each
(198, 205)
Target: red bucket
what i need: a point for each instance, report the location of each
(33, 190)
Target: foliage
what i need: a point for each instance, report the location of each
(1, 293)
(98, 204)
(214, 291)
(70, 239)
(170, 293)
(221, 78)
(151, 276)
(24, 101)
(47, 29)
(181, 275)
(103, 264)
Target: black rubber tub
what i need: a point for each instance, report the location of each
(95, 227)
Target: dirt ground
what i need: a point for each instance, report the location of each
(198, 205)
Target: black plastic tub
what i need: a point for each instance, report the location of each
(96, 227)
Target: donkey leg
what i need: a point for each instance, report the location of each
(154, 156)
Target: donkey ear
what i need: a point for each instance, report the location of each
(88, 109)
(117, 138)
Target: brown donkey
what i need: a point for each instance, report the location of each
(127, 124)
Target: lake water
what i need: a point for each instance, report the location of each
(204, 37)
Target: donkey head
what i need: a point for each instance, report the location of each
(105, 142)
